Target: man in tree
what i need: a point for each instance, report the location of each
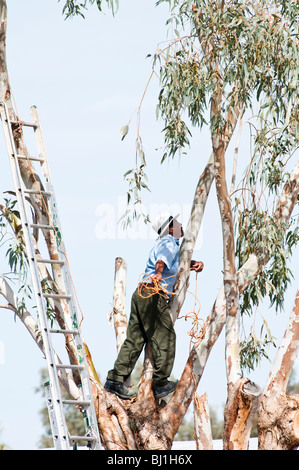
(150, 320)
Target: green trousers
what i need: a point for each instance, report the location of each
(149, 322)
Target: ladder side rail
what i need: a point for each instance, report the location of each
(42, 153)
(52, 204)
(57, 400)
(58, 444)
(68, 287)
(54, 210)
(86, 386)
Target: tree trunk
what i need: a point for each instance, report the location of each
(278, 421)
(191, 233)
(241, 407)
(239, 402)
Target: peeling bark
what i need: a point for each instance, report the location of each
(279, 422)
(119, 302)
(202, 423)
(242, 403)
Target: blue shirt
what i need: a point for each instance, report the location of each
(167, 250)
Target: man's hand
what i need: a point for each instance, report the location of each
(197, 266)
(159, 270)
(157, 277)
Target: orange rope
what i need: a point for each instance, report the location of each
(198, 329)
(154, 286)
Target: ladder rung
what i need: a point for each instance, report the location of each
(76, 402)
(23, 123)
(71, 332)
(51, 261)
(36, 191)
(83, 438)
(69, 366)
(50, 227)
(28, 157)
(57, 296)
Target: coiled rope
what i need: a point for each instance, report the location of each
(149, 286)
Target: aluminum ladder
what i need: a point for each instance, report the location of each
(61, 436)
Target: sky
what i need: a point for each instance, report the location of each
(87, 78)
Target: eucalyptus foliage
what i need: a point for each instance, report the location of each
(16, 253)
(259, 232)
(73, 8)
(245, 51)
(17, 258)
(253, 349)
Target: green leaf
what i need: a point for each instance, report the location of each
(142, 157)
(124, 130)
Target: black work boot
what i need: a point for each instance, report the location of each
(164, 390)
(119, 389)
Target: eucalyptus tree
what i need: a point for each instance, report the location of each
(225, 60)
(228, 58)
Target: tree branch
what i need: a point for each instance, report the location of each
(202, 423)
(191, 233)
(286, 354)
(215, 322)
(119, 302)
(32, 327)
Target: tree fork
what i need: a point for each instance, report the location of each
(278, 423)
